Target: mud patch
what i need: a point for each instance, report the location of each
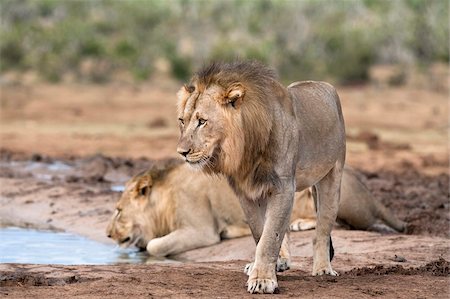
(37, 279)
(420, 200)
(92, 170)
(440, 267)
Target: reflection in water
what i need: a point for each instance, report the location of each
(22, 246)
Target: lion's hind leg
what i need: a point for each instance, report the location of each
(326, 196)
(284, 258)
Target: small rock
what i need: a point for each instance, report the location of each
(399, 259)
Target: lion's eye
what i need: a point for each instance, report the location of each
(143, 191)
(201, 122)
(119, 210)
(181, 121)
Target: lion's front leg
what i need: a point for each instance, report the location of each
(254, 213)
(262, 277)
(181, 240)
(284, 258)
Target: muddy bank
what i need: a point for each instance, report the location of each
(439, 267)
(421, 200)
(218, 280)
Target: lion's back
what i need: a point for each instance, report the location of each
(315, 97)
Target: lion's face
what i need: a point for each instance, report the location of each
(205, 118)
(129, 224)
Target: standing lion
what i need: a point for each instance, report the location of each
(269, 141)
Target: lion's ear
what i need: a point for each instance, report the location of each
(234, 95)
(143, 186)
(185, 91)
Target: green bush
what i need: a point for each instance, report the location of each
(349, 56)
(11, 51)
(322, 40)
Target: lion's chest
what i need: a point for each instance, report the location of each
(247, 188)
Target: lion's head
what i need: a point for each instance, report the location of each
(224, 112)
(139, 215)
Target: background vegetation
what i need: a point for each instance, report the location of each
(328, 40)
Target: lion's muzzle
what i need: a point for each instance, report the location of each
(183, 151)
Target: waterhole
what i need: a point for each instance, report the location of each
(30, 246)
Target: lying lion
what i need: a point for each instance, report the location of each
(171, 209)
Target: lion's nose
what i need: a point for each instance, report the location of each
(184, 152)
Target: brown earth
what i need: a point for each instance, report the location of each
(397, 138)
(218, 280)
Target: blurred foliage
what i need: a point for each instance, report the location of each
(324, 40)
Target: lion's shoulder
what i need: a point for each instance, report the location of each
(310, 84)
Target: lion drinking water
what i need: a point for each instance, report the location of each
(269, 141)
(169, 210)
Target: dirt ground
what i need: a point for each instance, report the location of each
(98, 136)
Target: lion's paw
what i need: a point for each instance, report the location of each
(248, 268)
(283, 264)
(262, 286)
(326, 270)
(155, 247)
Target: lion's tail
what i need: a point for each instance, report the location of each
(388, 217)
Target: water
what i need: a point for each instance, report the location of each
(118, 188)
(18, 245)
(40, 170)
